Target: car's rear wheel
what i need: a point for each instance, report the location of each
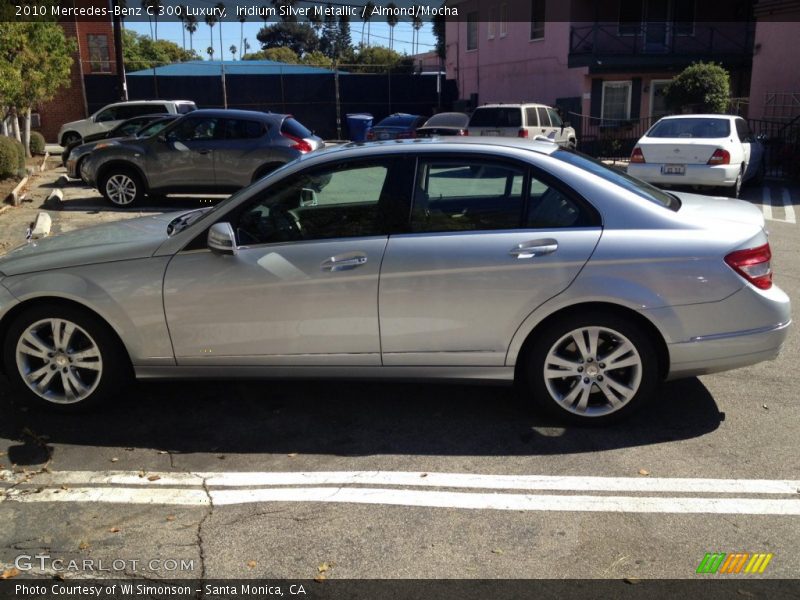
(733, 191)
(121, 187)
(63, 358)
(591, 369)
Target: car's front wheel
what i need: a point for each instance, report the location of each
(591, 369)
(63, 358)
(121, 187)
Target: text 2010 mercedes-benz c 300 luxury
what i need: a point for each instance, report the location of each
(466, 259)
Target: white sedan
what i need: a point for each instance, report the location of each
(716, 151)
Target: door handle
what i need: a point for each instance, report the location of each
(534, 248)
(204, 151)
(343, 262)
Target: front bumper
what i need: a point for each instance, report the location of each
(704, 175)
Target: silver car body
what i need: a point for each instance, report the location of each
(423, 305)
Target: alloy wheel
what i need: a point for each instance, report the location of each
(121, 189)
(593, 371)
(59, 361)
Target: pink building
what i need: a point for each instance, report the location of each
(606, 62)
(775, 83)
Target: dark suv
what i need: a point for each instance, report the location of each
(206, 151)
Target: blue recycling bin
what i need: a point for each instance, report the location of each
(357, 125)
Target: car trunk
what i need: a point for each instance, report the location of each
(386, 132)
(709, 209)
(679, 150)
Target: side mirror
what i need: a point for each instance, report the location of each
(308, 197)
(162, 138)
(566, 124)
(221, 239)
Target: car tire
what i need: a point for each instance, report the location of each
(70, 139)
(121, 187)
(733, 191)
(592, 390)
(64, 358)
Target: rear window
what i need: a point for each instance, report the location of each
(186, 107)
(292, 127)
(638, 187)
(692, 127)
(447, 120)
(496, 117)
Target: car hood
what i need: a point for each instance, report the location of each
(709, 208)
(123, 240)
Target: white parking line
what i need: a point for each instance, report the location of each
(766, 203)
(787, 205)
(233, 488)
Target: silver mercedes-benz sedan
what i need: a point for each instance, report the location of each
(466, 259)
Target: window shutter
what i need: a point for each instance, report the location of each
(597, 98)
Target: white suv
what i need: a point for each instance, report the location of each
(110, 116)
(521, 120)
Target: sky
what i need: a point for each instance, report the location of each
(230, 35)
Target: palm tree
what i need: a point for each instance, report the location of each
(416, 23)
(191, 27)
(245, 48)
(264, 14)
(232, 50)
(211, 20)
(391, 20)
(155, 5)
(242, 19)
(210, 51)
(368, 8)
(182, 19)
(220, 10)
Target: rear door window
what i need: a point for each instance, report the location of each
(242, 129)
(293, 127)
(544, 119)
(532, 117)
(185, 107)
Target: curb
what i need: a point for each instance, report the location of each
(14, 196)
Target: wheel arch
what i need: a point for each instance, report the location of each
(587, 307)
(10, 316)
(66, 133)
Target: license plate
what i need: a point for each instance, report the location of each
(490, 132)
(673, 170)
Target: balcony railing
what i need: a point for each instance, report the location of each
(600, 41)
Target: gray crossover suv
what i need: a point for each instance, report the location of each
(206, 151)
(467, 259)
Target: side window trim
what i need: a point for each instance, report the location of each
(551, 181)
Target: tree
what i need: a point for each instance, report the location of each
(300, 37)
(233, 50)
(317, 59)
(140, 52)
(191, 27)
(370, 57)
(316, 21)
(283, 54)
(210, 52)
(242, 19)
(211, 20)
(700, 87)
(344, 43)
(35, 61)
(220, 10)
(438, 26)
(416, 24)
(330, 32)
(368, 8)
(154, 8)
(246, 46)
(391, 20)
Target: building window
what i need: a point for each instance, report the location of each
(630, 17)
(503, 20)
(472, 31)
(684, 17)
(616, 101)
(537, 19)
(99, 58)
(491, 24)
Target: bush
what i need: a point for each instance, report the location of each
(10, 157)
(37, 143)
(700, 88)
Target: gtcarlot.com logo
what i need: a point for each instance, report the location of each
(734, 564)
(45, 563)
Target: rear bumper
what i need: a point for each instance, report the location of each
(746, 328)
(705, 175)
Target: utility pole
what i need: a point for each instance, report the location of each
(122, 82)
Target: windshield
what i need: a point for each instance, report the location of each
(691, 128)
(638, 187)
(153, 128)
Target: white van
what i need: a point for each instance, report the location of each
(110, 116)
(522, 120)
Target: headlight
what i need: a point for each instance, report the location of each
(105, 145)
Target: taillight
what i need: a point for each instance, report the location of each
(720, 157)
(637, 156)
(299, 143)
(753, 264)
(370, 135)
(463, 132)
(523, 133)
